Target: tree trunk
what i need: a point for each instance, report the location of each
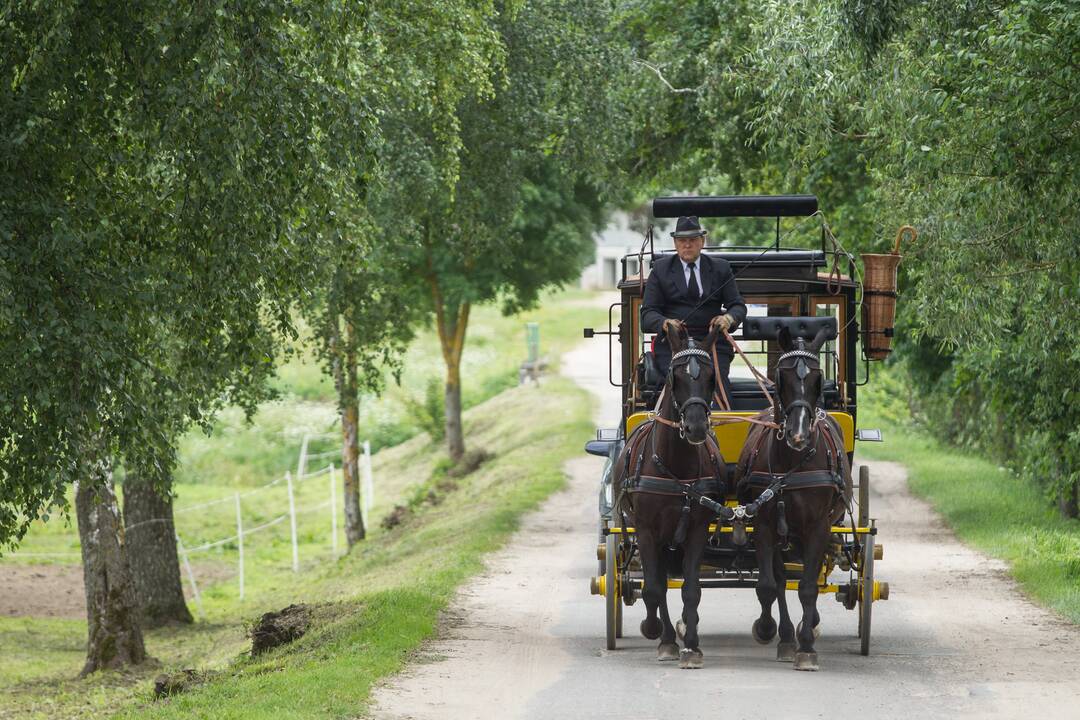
(1067, 502)
(114, 638)
(451, 324)
(151, 544)
(345, 380)
(455, 437)
(451, 321)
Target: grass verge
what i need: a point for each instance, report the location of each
(987, 506)
(388, 594)
(385, 596)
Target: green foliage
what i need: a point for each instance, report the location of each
(168, 177)
(520, 211)
(517, 213)
(956, 118)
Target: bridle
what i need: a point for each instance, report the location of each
(800, 366)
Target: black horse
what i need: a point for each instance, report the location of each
(801, 478)
(667, 466)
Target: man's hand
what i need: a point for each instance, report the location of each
(672, 326)
(724, 322)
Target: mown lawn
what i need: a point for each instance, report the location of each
(384, 596)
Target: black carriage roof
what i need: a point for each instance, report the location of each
(735, 206)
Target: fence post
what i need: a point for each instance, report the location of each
(190, 574)
(292, 523)
(369, 485)
(333, 510)
(301, 465)
(240, 543)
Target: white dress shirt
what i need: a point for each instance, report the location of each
(697, 274)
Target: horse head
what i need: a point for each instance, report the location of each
(691, 381)
(798, 382)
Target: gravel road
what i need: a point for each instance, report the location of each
(526, 640)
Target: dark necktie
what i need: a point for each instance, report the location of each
(692, 289)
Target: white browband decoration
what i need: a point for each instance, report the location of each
(797, 353)
(690, 351)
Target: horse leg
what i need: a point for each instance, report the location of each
(813, 555)
(785, 649)
(669, 648)
(653, 593)
(764, 628)
(693, 550)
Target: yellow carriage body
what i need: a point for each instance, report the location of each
(731, 436)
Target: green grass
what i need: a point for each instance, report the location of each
(407, 575)
(988, 506)
(494, 348)
(386, 594)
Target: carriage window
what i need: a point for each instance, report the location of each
(832, 363)
(763, 353)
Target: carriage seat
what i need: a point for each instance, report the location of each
(746, 395)
(649, 378)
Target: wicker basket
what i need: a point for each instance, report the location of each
(879, 298)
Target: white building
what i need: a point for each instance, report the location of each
(623, 236)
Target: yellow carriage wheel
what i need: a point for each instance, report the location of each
(613, 613)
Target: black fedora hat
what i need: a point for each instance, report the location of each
(688, 226)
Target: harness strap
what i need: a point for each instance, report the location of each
(652, 485)
(731, 419)
(761, 380)
(803, 479)
(720, 392)
(774, 487)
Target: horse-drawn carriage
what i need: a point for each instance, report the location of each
(796, 304)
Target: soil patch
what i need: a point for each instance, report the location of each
(279, 628)
(57, 591)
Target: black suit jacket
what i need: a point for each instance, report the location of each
(666, 297)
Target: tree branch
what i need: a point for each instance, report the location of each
(664, 80)
(1037, 267)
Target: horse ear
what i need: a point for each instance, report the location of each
(677, 337)
(819, 340)
(784, 338)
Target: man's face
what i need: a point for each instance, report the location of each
(689, 248)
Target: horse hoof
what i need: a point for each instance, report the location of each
(691, 659)
(785, 651)
(650, 628)
(680, 628)
(759, 637)
(806, 661)
(817, 630)
(667, 652)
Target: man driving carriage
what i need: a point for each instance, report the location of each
(695, 290)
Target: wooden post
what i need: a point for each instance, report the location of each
(368, 496)
(301, 464)
(190, 574)
(240, 543)
(333, 510)
(292, 523)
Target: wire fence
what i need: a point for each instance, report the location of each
(244, 522)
